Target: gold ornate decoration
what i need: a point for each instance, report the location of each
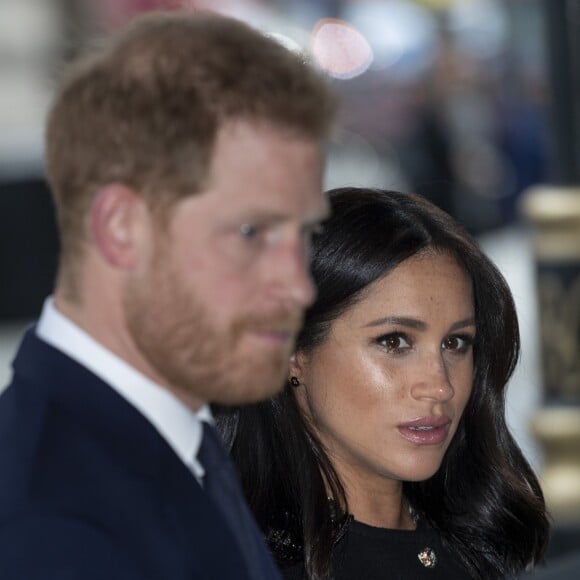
(554, 214)
(558, 431)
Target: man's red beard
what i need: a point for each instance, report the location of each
(182, 342)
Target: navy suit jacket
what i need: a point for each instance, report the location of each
(89, 490)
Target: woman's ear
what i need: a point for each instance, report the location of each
(297, 368)
(299, 381)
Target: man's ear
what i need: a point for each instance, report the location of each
(116, 217)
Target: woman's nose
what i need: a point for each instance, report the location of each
(433, 381)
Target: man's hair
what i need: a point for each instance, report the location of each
(145, 109)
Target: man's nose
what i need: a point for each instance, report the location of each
(291, 273)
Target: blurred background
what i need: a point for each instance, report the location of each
(468, 102)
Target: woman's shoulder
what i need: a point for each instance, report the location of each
(369, 553)
(404, 553)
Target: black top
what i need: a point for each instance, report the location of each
(369, 553)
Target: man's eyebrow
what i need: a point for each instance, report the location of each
(262, 216)
(274, 217)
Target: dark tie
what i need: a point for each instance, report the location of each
(221, 484)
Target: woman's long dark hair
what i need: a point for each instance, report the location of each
(485, 499)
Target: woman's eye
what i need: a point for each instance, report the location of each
(457, 343)
(394, 342)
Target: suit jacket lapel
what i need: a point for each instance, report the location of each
(197, 526)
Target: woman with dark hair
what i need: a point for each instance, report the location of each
(387, 455)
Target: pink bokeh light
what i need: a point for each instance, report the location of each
(340, 49)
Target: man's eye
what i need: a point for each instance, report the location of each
(316, 229)
(249, 231)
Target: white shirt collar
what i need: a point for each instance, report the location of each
(175, 422)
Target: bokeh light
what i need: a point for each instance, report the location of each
(402, 34)
(340, 49)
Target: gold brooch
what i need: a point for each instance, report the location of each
(427, 557)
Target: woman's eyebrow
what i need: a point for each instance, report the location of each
(462, 323)
(399, 320)
(417, 324)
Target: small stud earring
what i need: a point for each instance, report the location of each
(294, 382)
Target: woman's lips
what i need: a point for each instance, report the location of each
(425, 430)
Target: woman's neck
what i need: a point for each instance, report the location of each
(379, 503)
